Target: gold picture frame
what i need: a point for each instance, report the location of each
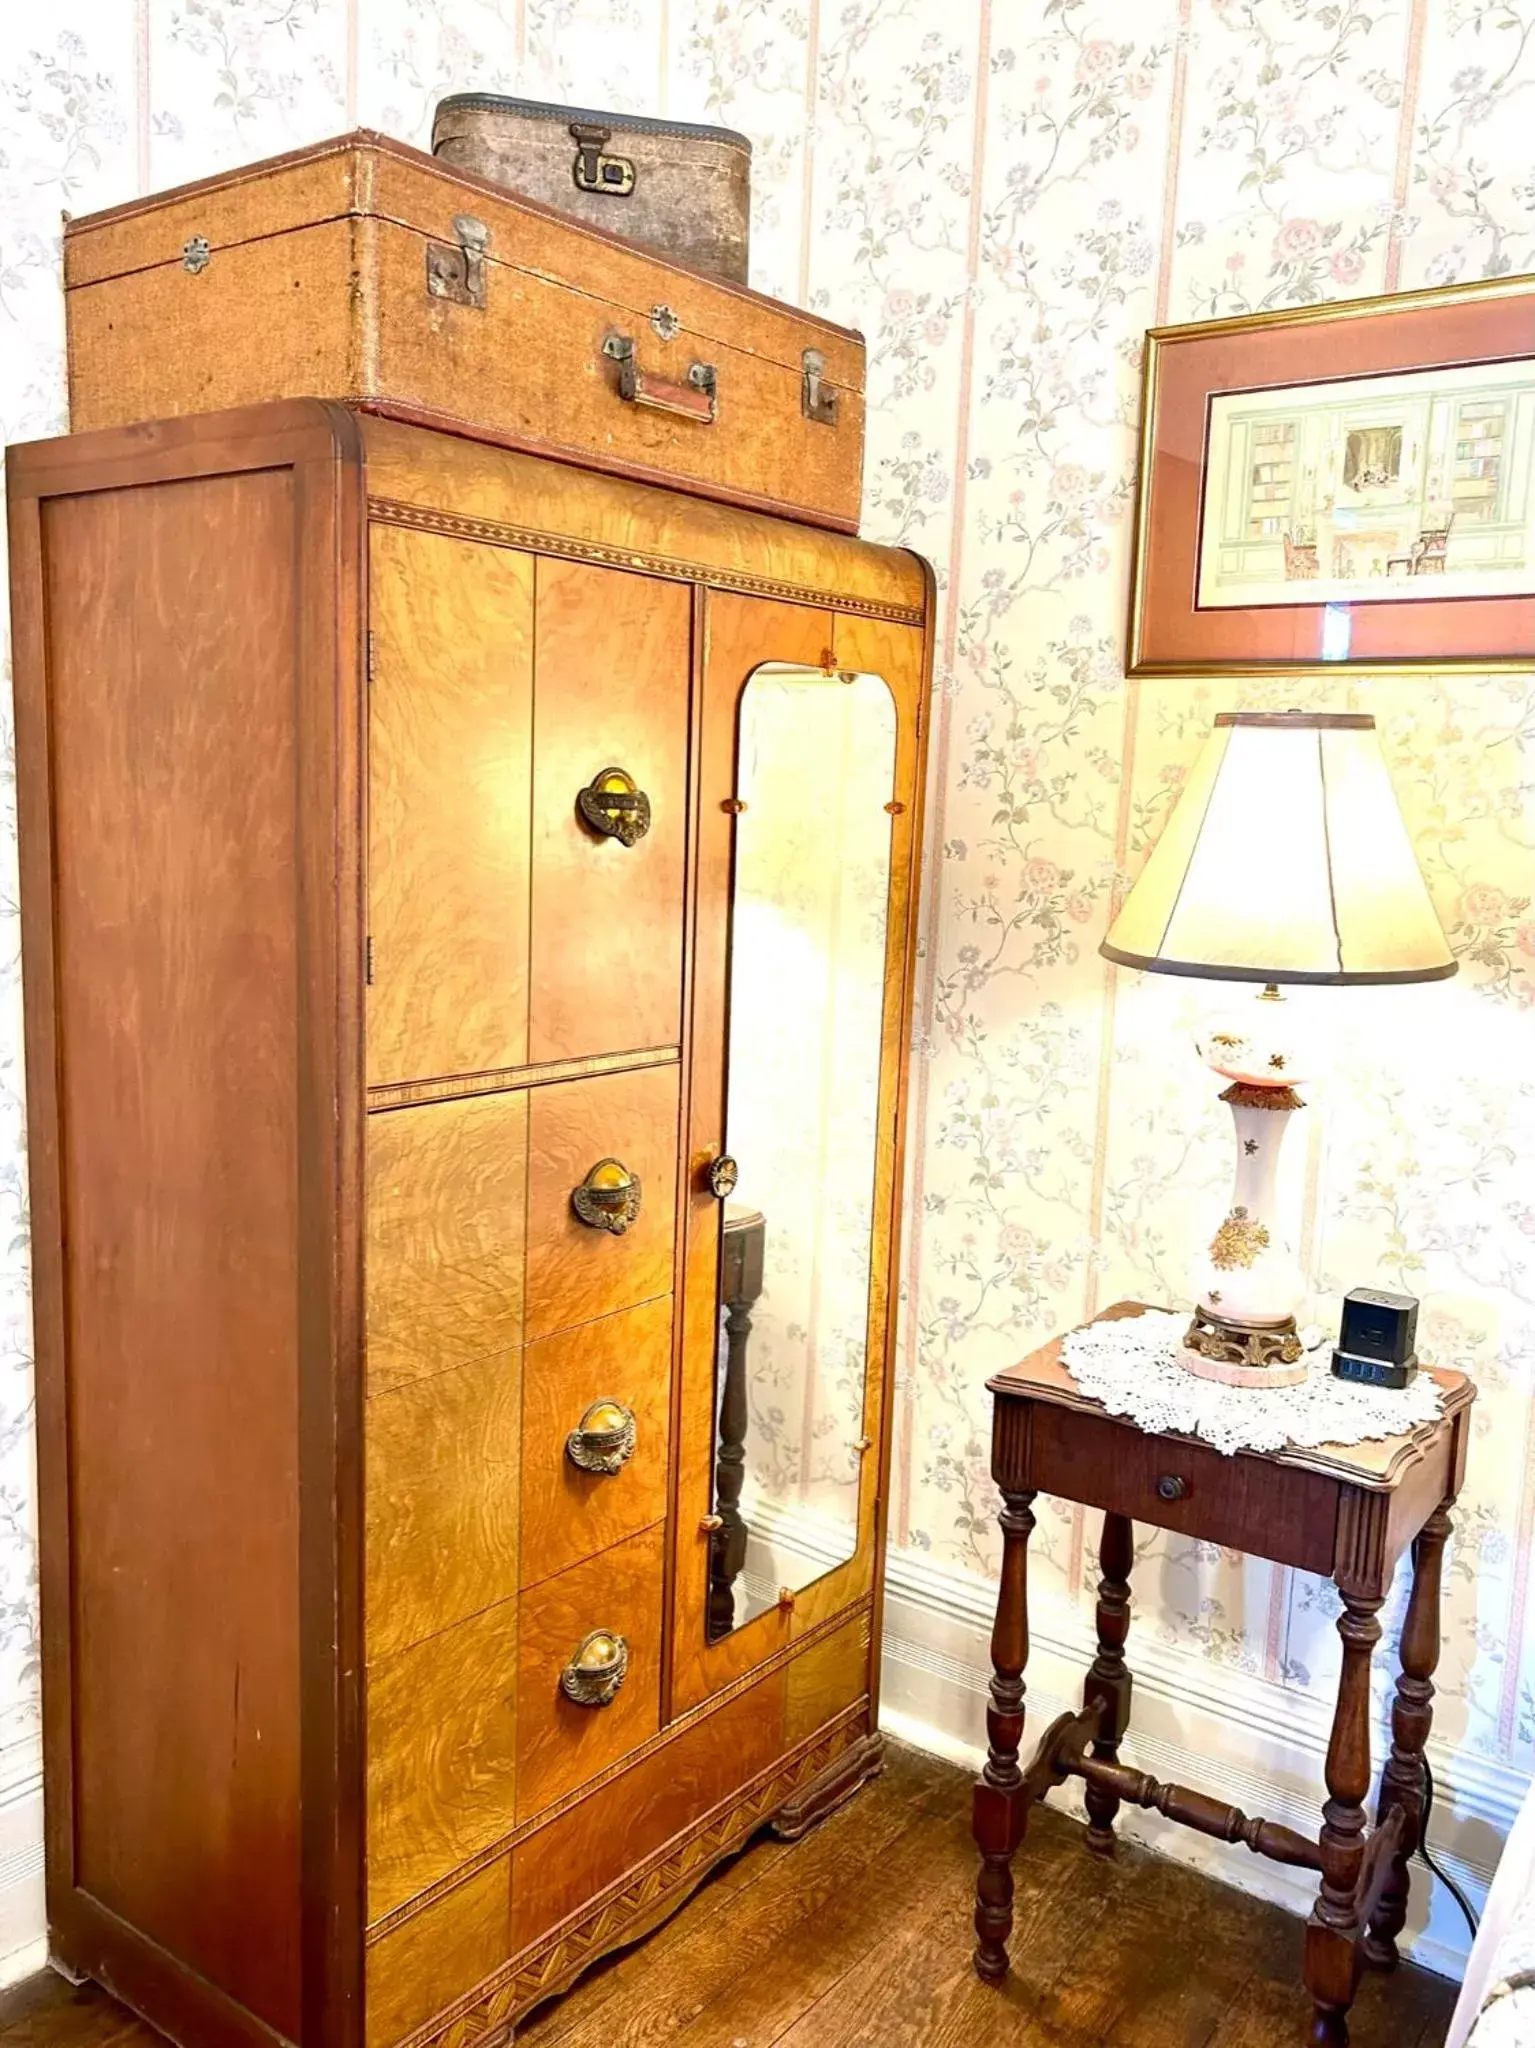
(1346, 344)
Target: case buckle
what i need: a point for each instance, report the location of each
(818, 400)
(594, 170)
(456, 270)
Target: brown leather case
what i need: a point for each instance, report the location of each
(365, 270)
(676, 187)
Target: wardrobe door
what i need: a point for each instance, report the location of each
(807, 817)
(450, 752)
(612, 675)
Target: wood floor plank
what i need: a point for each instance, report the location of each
(860, 1937)
(918, 1990)
(643, 2007)
(760, 2008)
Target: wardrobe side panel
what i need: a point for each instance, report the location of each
(176, 970)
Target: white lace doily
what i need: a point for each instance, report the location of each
(1132, 1367)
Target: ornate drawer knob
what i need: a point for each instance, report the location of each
(615, 806)
(597, 1670)
(1171, 1487)
(609, 1198)
(603, 1441)
(723, 1175)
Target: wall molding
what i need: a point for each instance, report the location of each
(23, 1912)
(1268, 1742)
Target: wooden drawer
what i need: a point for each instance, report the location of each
(442, 1463)
(560, 1744)
(1176, 1485)
(446, 1187)
(434, 1957)
(442, 1755)
(576, 1272)
(570, 1513)
(607, 918)
(569, 1860)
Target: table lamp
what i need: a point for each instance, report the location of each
(1285, 859)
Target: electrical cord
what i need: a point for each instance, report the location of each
(1426, 1853)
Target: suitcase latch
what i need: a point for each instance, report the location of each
(594, 170)
(456, 270)
(817, 399)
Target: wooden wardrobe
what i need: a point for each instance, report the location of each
(393, 1006)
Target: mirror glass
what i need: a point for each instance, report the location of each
(815, 768)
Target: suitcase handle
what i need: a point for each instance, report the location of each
(697, 399)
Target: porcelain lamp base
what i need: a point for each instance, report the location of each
(1238, 1355)
(1247, 1284)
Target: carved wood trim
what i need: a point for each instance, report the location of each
(1012, 1444)
(1359, 1555)
(830, 1788)
(485, 2016)
(390, 1921)
(496, 1080)
(394, 512)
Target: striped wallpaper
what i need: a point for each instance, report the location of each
(1004, 194)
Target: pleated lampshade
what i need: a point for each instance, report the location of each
(1286, 859)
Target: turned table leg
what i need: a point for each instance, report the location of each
(1404, 1782)
(1333, 1932)
(1108, 1679)
(1000, 1809)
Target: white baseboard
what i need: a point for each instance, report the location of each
(23, 1915)
(1196, 1723)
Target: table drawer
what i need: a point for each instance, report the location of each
(572, 1509)
(581, 1269)
(561, 1743)
(1238, 1502)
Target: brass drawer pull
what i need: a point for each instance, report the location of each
(1171, 1487)
(609, 1198)
(723, 1175)
(614, 806)
(597, 1670)
(603, 1440)
(697, 399)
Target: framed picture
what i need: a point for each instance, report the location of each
(1348, 482)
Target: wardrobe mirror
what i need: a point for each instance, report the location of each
(815, 767)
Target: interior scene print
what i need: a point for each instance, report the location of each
(1393, 487)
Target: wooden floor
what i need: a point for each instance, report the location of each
(859, 1937)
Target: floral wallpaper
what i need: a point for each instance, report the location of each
(1004, 194)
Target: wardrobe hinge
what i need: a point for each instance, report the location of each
(369, 659)
(367, 960)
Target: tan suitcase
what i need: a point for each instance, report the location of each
(364, 270)
(675, 187)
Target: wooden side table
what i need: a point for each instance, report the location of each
(1347, 1513)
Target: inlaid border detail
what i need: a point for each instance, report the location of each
(458, 526)
(496, 1080)
(485, 2016)
(387, 1924)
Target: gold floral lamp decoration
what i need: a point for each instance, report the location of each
(1286, 859)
